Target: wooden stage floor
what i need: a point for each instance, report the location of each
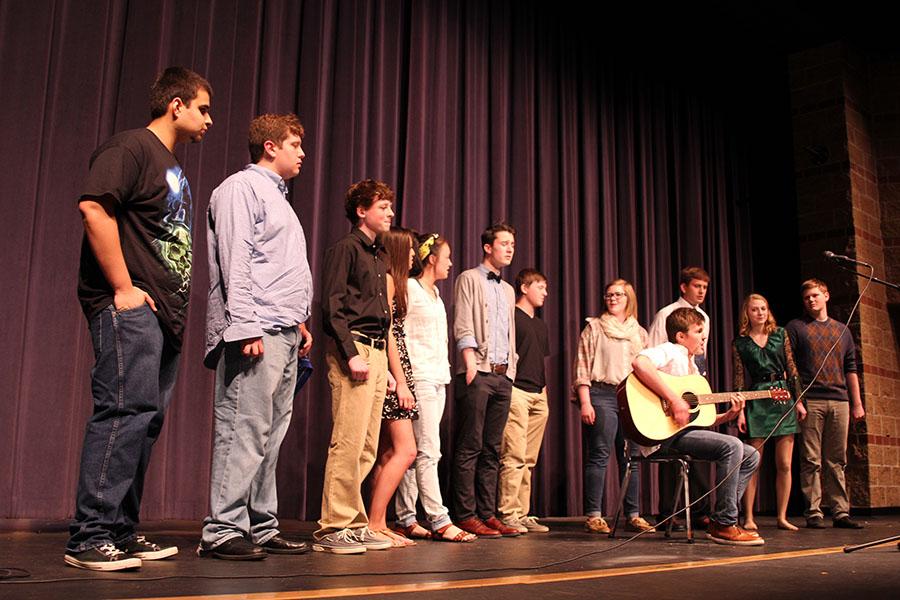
(808, 564)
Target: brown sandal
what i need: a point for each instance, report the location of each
(461, 536)
(413, 531)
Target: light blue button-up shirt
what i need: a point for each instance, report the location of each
(259, 277)
(497, 311)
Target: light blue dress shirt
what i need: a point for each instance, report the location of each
(259, 277)
(497, 311)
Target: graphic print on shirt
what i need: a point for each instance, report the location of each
(174, 245)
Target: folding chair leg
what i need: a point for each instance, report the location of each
(676, 502)
(621, 499)
(685, 482)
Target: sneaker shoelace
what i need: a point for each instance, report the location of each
(111, 551)
(144, 542)
(347, 536)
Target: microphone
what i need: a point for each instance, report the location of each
(841, 257)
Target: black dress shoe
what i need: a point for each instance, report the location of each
(236, 548)
(279, 545)
(815, 523)
(846, 523)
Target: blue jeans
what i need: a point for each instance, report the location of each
(603, 437)
(131, 385)
(253, 405)
(726, 451)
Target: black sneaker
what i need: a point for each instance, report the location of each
(102, 558)
(141, 547)
(846, 522)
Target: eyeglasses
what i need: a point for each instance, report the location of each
(612, 295)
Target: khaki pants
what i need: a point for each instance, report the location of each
(356, 413)
(522, 437)
(824, 440)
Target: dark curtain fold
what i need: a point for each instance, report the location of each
(472, 111)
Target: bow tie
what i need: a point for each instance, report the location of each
(493, 276)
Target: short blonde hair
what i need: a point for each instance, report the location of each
(811, 283)
(631, 308)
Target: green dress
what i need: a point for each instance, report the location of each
(762, 368)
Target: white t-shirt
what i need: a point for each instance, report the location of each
(657, 332)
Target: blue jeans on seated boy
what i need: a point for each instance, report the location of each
(727, 452)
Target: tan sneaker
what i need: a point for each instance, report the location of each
(596, 525)
(515, 523)
(731, 535)
(636, 524)
(531, 524)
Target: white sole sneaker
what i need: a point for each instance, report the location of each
(724, 542)
(112, 565)
(336, 550)
(157, 554)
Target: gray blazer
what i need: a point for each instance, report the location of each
(470, 319)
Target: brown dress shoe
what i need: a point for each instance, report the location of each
(732, 535)
(505, 530)
(477, 526)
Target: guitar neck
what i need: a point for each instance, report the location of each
(726, 396)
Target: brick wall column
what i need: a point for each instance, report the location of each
(843, 205)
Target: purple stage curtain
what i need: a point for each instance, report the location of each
(473, 111)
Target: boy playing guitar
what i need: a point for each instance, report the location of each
(684, 328)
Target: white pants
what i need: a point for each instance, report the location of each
(421, 480)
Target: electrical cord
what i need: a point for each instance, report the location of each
(793, 407)
(7, 574)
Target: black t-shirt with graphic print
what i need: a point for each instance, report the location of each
(147, 186)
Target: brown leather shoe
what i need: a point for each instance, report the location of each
(731, 535)
(505, 530)
(477, 526)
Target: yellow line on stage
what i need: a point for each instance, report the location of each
(432, 586)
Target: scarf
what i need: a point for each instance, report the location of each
(628, 330)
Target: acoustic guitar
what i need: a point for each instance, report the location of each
(644, 420)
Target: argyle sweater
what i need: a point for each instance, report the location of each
(811, 340)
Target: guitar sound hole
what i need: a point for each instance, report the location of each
(691, 399)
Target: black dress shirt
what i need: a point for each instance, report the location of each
(354, 291)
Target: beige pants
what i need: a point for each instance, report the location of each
(356, 413)
(522, 437)
(823, 457)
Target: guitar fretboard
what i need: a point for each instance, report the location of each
(726, 396)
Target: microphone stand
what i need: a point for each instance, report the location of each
(888, 284)
(893, 538)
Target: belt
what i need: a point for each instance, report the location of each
(499, 369)
(602, 385)
(772, 377)
(377, 343)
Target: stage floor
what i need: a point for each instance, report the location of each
(564, 563)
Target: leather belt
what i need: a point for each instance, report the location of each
(499, 369)
(377, 343)
(602, 385)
